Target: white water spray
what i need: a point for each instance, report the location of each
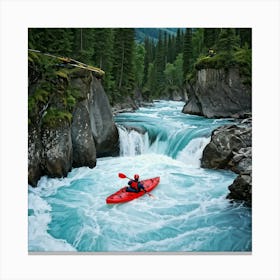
(132, 143)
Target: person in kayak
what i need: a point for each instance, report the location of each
(135, 185)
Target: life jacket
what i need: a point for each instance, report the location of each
(134, 185)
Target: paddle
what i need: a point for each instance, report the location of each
(123, 176)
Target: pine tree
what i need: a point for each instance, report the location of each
(245, 35)
(210, 36)
(57, 41)
(103, 52)
(123, 60)
(83, 42)
(198, 43)
(139, 65)
(228, 42)
(159, 65)
(147, 59)
(179, 42)
(187, 53)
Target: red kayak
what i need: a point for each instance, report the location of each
(123, 196)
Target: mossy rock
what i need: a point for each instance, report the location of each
(54, 117)
(62, 74)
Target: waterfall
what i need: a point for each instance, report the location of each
(192, 153)
(176, 143)
(132, 142)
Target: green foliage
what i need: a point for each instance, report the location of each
(152, 67)
(123, 60)
(139, 64)
(173, 73)
(52, 40)
(69, 100)
(243, 58)
(76, 94)
(216, 62)
(188, 52)
(62, 74)
(54, 117)
(40, 96)
(33, 57)
(210, 37)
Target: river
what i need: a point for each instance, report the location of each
(187, 213)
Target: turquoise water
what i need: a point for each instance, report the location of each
(189, 212)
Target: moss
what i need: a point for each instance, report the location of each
(62, 74)
(33, 57)
(240, 58)
(40, 96)
(54, 117)
(76, 93)
(215, 62)
(243, 58)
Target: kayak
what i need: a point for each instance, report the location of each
(122, 195)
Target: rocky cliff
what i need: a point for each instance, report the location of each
(219, 93)
(231, 148)
(70, 122)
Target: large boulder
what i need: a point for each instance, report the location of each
(34, 155)
(219, 93)
(226, 143)
(57, 150)
(241, 189)
(70, 124)
(84, 151)
(103, 127)
(230, 148)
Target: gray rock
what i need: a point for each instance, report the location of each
(84, 152)
(102, 124)
(241, 189)
(231, 148)
(57, 150)
(54, 148)
(219, 93)
(225, 141)
(34, 155)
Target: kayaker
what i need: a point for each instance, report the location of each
(135, 185)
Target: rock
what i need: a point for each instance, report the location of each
(231, 148)
(57, 150)
(125, 105)
(219, 93)
(60, 136)
(84, 151)
(241, 161)
(225, 141)
(34, 155)
(103, 127)
(140, 130)
(241, 189)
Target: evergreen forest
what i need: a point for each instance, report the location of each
(155, 67)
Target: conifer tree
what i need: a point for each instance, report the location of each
(123, 60)
(103, 52)
(210, 37)
(228, 42)
(187, 54)
(147, 59)
(139, 64)
(245, 35)
(57, 41)
(159, 64)
(198, 43)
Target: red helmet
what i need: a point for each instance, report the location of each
(136, 176)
